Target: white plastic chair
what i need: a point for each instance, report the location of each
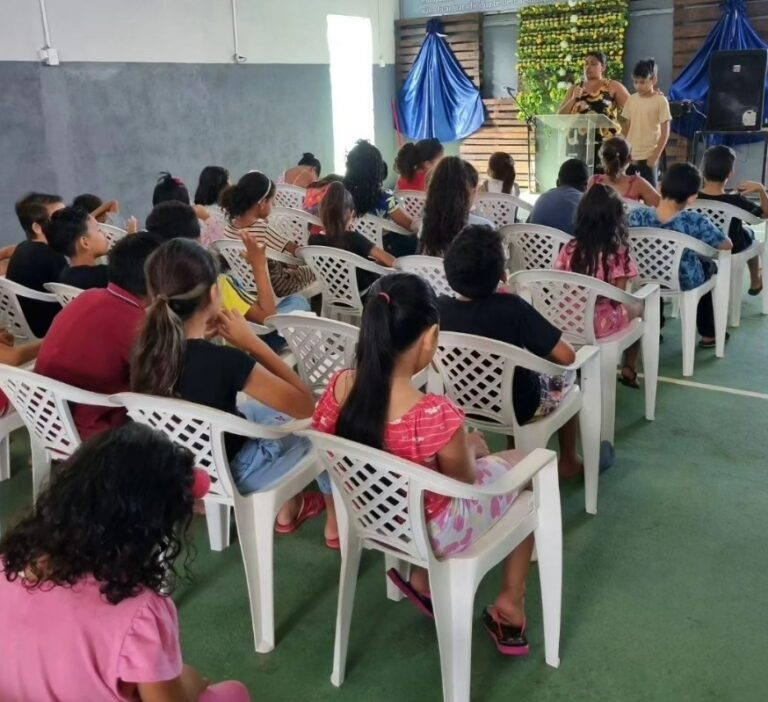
(335, 271)
(378, 501)
(722, 214)
(630, 204)
(64, 293)
(428, 267)
(112, 233)
(201, 430)
(477, 373)
(500, 208)
(11, 315)
(43, 406)
(373, 228)
(11, 421)
(289, 196)
(322, 347)
(568, 300)
(293, 224)
(412, 201)
(657, 253)
(533, 246)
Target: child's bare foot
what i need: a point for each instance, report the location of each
(570, 467)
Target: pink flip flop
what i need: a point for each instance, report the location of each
(312, 505)
(421, 602)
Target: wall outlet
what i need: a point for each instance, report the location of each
(49, 56)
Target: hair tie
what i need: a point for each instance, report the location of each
(385, 297)
(164, 298)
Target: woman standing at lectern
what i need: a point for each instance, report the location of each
(596, 95)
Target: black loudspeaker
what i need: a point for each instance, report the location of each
(736, 90)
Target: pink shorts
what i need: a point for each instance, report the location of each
(229, 691)
(464, 521)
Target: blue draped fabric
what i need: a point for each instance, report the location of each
(732, 33)
(438, 100)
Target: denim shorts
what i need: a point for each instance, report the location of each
(260, 463)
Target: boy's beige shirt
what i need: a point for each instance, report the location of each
(645, 115)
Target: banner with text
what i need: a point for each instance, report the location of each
(435, 8)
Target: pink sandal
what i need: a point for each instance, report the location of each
(312, 505)
(422, 602)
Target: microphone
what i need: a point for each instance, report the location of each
(509, 89)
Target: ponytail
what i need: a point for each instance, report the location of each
(251, 190)
(407, 160)
(180, 274)
(399, 309)
(614, 155)
(335, 208)
(501, 166)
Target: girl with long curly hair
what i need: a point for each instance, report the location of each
(86, 577)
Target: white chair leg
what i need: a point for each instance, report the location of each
(217, 516)
(589, 426)
(736, 293)
(5, 457)
(402, 567)
(608, 363)
(674, 307)
(720, 295)
(650, 350)
(255, 526)
(41, 466)
(350, 565)
(688, 303)
(764, 294)
(549, 544)
(453, 595)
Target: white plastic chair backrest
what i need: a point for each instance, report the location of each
(233, 252)
(43, 405)
(64, 293)
(381, 493)
(292, 224)
(112, 233)
(657, 253)
(721, 214)
(430, 268)
(500, 208)
(11, 315)
(566, 299)
(412, 201)
(477, 375)
(198, 428)
(533, 246)
(335, 270)
(322, 347)
(289, 196)
(373, 228)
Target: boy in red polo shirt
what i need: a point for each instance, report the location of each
(90, 342)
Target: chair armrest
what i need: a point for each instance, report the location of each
(390, 226)
(285, 258)
(35, 295)
(583, 356)
(370, 266)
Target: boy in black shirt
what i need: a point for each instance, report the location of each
(33, 262)
(717, 170)
(474, 267)
(74, 233)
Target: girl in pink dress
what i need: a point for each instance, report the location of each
(85, 579)
(376, 405)
(600, 248)
(616, 158)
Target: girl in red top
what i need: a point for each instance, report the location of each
(616, 157)
(398, 338)
(414, 163)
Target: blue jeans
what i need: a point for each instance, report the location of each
(291, 303)
(260, 463)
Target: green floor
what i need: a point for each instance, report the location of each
(665, 594)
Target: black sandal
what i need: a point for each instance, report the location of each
(629, 381)
(755, 291)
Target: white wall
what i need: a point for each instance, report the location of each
(187, 31)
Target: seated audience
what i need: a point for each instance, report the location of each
(172, 219)
(600, 248)
(414, 163)
(169, 188)
(557, 207)
(12, 355)
(450, 196)
(34, 263)
(376, 404)
(337, 211)
(365, 176)
(248, 205)
(616, 157)
(105, 212)
(89, 344)
(501, 175)
(474, 267)
(679, 188)
(86, 578)
(213, 180)
(302, 175)
(173, 358)
(74, 233)
(717, 171)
